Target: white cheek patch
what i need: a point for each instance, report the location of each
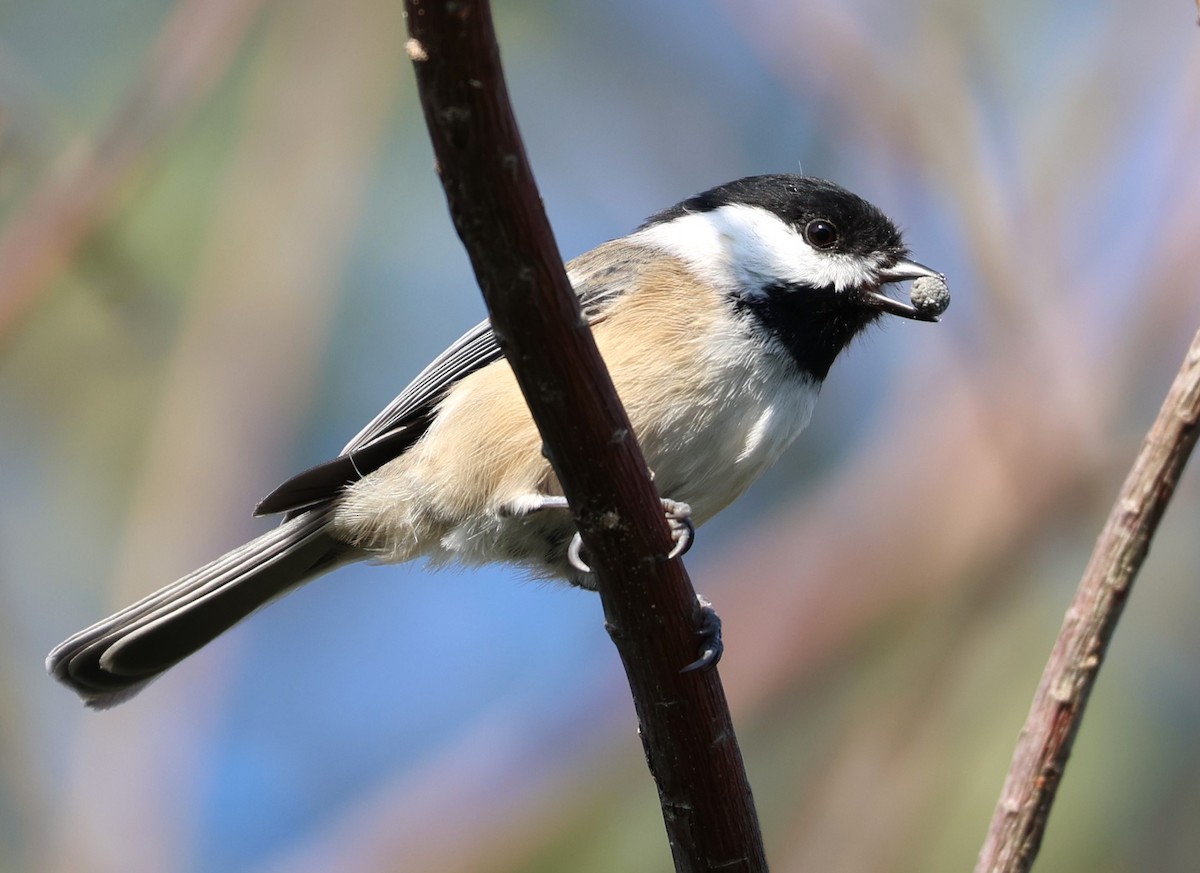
(747, 247)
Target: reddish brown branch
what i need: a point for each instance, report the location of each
(649, 603)
(1041, 755)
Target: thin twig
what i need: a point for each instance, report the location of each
(1041, 755)
(649, 603)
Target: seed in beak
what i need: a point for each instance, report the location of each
(930, 295)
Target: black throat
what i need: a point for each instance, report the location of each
(813, 324)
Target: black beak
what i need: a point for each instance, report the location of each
(902, 271)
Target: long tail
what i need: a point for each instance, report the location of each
(113, 659)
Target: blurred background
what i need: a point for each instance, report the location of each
(223, 248)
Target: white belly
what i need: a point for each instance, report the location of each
(727, 435)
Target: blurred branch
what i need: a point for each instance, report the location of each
(1020, 819)
(649, 603)
(192, 52)
(243, 361)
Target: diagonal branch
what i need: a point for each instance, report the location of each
(1041, 755)
(649, 604)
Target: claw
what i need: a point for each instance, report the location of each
(573, 554)
(684, 534)
(679, 517)
(711, 644)
(683, 531)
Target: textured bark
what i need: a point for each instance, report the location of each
(1041, 755)
(649, 605)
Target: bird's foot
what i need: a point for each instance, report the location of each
(683, 534)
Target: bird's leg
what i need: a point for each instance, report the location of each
(527, 504)
(679, 517)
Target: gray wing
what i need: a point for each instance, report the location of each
(597, 278)
(393, 430)
(473, 350)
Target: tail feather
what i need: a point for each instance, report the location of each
(113, 659)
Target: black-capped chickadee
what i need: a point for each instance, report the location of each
(718, 319)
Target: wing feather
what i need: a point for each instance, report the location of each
(398, 426)
(598, 279)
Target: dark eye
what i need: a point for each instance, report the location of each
(821, 234)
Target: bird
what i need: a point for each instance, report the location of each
(718, 319)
